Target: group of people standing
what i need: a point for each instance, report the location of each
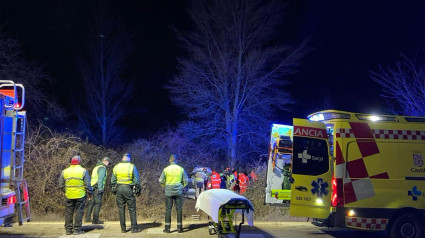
(125, 184)
(206, 179)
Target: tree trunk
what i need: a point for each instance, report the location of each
(233, 145)
(229, 138)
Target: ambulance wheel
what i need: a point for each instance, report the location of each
(407, 226)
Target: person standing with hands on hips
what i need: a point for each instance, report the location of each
(98, 179)
(174, 178)
(125, 180)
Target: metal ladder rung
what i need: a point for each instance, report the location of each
(17, 155)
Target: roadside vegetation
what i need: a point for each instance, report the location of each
(48, 153)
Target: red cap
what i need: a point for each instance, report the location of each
(75, 160)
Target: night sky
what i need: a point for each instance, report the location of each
(347, 38)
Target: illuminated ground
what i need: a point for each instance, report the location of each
(192, 229)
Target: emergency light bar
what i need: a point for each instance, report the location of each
(376, 118)
(328, 116)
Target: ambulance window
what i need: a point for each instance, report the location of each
(310, 156)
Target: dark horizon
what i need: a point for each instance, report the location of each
(348, 40)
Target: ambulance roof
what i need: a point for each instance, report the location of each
(335, 115)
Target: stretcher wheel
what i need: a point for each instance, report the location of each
(211, 228)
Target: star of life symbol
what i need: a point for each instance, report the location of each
(414, 193)
(319, 187)
(304, 156)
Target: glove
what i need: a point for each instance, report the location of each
(114, 190)
(137, 190)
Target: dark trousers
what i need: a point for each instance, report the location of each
(169, 206)
(95, 203)
(125, 196)
(77, 206)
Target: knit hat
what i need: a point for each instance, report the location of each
(75, 160)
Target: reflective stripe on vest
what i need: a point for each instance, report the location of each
(124, 173)
(173, 174)
(215, 180)
(95, 176)
(200, 177)
(74, 182)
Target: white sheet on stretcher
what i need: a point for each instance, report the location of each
(211, 200)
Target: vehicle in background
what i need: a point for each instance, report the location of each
(278, 187)
(190, 189)
(361, 171)
(13, 188)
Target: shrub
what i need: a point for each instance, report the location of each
(48, 153)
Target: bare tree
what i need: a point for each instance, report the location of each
(106, 90)
(403, 86)
(15, 66)
(232, 77)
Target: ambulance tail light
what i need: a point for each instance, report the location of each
(337, 192)
(11, 200)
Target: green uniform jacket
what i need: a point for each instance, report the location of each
(174, 178)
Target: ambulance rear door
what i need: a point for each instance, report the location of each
(311, 170)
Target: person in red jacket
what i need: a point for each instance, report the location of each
(253, 176)
(215, 180)
(209, 184)
(243, 183)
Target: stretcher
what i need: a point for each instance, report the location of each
(221, 205)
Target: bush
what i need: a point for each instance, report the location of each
(48, 153)
(256, 194)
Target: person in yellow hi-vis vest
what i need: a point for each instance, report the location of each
(75, 180)
(126, 186)
(174, 178)
(98, 180)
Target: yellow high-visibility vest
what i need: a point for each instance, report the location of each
(124, 173)
(173, 174)
(95, 177)
(74, 182)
